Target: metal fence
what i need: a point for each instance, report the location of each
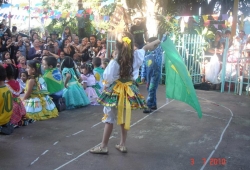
(190, 47)
(235, 74)
(235, 71)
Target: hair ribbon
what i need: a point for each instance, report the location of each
(38, 65)
(126, 39)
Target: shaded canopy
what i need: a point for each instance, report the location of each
(191, 7)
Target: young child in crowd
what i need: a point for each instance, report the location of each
(5, 103)
(6, 58)
(23, 78)
(53, 79)
(151, 72)
(89, 83)
(18, 117)
(21, 65)
(98, 72)
(105, 62)
(73, 93)
(120, 90)
(21, 69)
(37, 102)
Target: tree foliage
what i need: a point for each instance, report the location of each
(88, 26)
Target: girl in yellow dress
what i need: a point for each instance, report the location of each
(38, 104)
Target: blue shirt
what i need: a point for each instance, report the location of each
(152, 63)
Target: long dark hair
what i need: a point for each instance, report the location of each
(11, 71)
(125, 58)
(35, 65)
(68, 62)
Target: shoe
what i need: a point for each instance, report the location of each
(154, 108)
(148, 110)
(16, 126)
(120, 148)
(31, 120)
(99, 150)
(26, 122)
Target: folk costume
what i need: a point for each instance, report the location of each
(74, 95)
(39, 106)
(91, 90)
(98, 73)
(151, 72)
(121, 93)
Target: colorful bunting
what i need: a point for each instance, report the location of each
(215, 17)
(205, 17)
(225, 17)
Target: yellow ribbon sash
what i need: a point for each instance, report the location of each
(123, 90)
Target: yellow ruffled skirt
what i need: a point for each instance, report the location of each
(40, 107)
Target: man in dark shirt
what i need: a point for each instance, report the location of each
(139, 31)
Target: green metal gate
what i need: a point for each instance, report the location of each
(190, 47)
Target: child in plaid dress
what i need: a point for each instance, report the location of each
(120, 91)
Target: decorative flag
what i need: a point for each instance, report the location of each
(196, 18)
(206, 23)
(215, 17)
(91, 17)
(205, 17)
(186, 18)
(5, 5)
(179, 85)
(224, 17)
(177, 17)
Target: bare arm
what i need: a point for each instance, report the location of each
(68, 76)
(30, 87)
(54, 55)
(84, 85)
(151, 46)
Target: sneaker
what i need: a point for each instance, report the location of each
(16, 126)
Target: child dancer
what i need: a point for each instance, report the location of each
(53, 79)
(120, 90)
(151, 72)
(89, 83)
(37, 102)
(6, 105)
(18, 117)
(98, 72)
(73, 93)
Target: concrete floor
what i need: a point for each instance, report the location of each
(171, 138)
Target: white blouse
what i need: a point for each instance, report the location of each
(112, 71)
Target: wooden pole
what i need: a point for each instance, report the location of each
(235, 17)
